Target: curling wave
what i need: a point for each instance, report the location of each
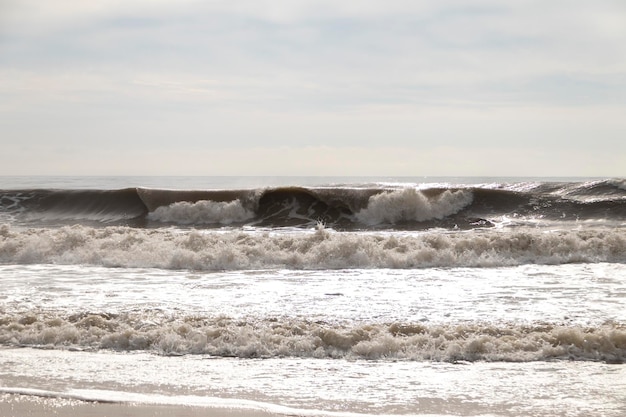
(342, 207)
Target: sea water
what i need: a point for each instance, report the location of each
(317, 296)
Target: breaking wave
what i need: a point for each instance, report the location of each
(202, 212)
(227, 337)
(342, 207)
(320, 249)
(410, 204)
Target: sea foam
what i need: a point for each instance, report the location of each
(202, 212)
(410, 204)
(312, 249)
(249, 338)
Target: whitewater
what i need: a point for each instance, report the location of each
(316, 296)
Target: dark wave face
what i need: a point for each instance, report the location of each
(341, 207)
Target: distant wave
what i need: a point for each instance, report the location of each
(320, 249)
(226, 337)
(341, 207)
(72, 206)
(619, 183)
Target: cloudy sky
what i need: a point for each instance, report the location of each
(313, 87)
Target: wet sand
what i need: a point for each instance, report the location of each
(16, 405)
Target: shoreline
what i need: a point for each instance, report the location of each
(20, 405)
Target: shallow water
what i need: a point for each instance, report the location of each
(326, 386)
(576, 294)
(525, 316)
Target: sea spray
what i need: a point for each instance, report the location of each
(412, 205)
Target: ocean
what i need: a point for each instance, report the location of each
(317, 296)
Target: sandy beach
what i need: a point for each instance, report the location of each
(16, 405)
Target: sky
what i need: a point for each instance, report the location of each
(303, 87)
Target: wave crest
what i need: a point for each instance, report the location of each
(619, 183)
(202, 212)
(342, 207)
(410, 204)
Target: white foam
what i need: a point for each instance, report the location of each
(376, 388)
(202, 212)
(619, 183)
(320, 249)
(409, 204)
(250, 338)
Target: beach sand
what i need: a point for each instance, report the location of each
(17, 405)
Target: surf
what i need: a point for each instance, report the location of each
(249, 338)
(342, 207)
(317, 249)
